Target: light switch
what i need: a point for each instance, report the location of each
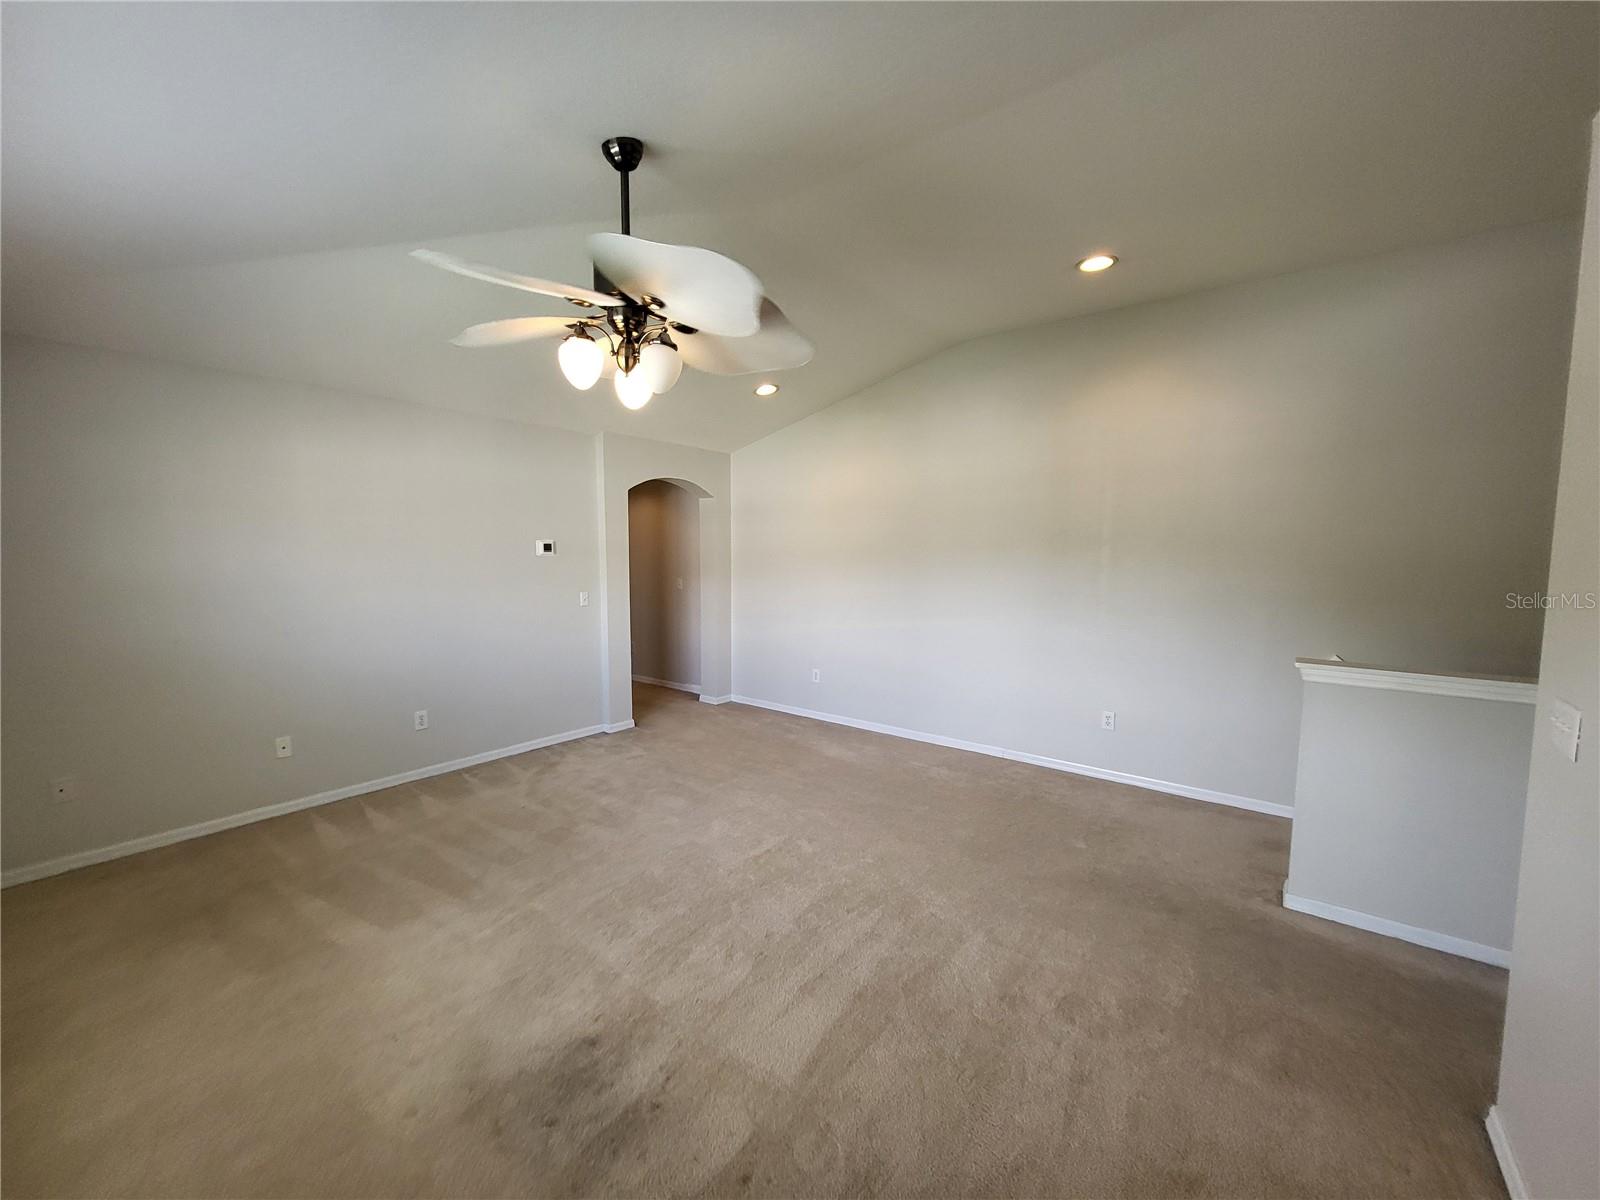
(1565, 728)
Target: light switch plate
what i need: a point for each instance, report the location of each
(1565, 728)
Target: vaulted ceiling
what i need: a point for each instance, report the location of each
(237, 185)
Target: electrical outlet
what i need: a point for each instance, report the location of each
(583, 599)
(544, 546)
(1108, 719)
(285, 746)
(816, 675)
(64, 790)
(419, 719)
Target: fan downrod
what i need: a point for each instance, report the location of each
(624, 154)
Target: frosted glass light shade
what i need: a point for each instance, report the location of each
(582, 360)
(633, 389)
(661, 366)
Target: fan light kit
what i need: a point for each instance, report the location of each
(654, 309)
(1097, 262)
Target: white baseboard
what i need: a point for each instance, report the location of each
(1492, 955)
(1038, 760)
(692, 688)
(705, 699)
(616, 727)
(86, 858)
(1503, 1155)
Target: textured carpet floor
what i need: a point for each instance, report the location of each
(732, 953)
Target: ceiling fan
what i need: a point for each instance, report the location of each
(654, 309)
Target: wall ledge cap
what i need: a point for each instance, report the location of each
(1511, 688)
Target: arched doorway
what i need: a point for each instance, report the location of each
(664, 603)
(626, 462)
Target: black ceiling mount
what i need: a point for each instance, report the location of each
(624, 154)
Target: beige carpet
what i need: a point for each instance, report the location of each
(733, 953)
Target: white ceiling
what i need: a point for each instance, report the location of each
(237, 185)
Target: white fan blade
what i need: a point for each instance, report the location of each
(776, 346)
(515, 329)
(526, 283)
(694, 287)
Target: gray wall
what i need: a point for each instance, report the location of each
(664, 582)
(1154, 510)
(197, 562)
(1549, 1101)
(1408, 807)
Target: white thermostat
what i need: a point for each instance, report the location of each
(543, 546)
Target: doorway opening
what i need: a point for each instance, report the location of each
(663, 592)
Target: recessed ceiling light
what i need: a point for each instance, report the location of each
(767, 389)
(1097, 262)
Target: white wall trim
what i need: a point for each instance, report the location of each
(1038, 760)
(616, 726)
(1471, 687)
(86, 858)
(1432, 939)
(692, 688)
(705, 699)
(1503, 1155)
